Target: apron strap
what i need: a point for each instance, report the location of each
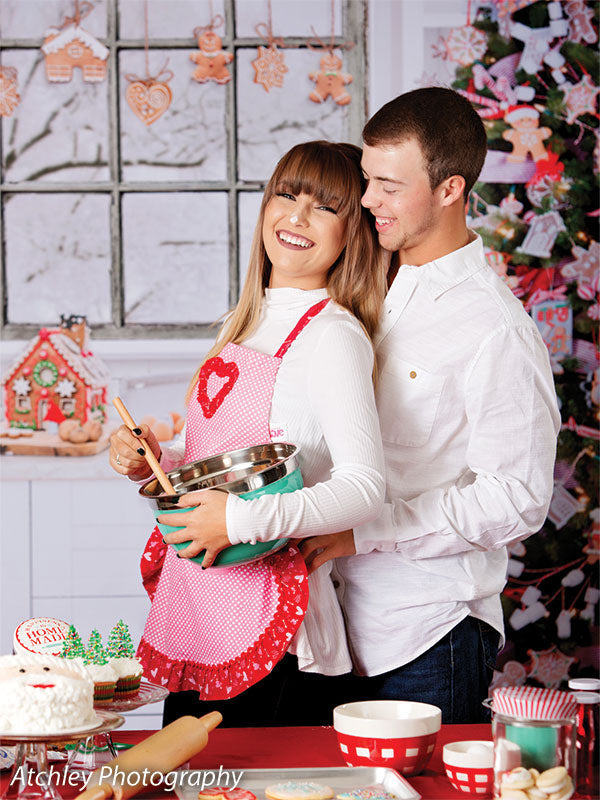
(300, 325)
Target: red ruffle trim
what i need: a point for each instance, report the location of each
(230, 678)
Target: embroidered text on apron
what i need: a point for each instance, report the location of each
(219, 631)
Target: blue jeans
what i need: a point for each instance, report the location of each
(454, 674)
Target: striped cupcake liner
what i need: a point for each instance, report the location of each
(535, 703)
(128, 685)
(104, 692)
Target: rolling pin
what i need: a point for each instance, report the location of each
(162, 752)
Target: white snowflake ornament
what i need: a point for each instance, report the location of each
(65, 388)
(21, 386)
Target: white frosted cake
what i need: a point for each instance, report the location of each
(42, 694)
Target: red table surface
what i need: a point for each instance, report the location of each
(274, 748)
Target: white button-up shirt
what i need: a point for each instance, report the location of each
(469, 420)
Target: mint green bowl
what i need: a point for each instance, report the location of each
(270, 468)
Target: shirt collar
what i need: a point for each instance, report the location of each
(446, 272)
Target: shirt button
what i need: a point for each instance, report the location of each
(412, 374)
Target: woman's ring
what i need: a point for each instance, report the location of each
(118, 459)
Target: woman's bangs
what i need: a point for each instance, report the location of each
(327, 179)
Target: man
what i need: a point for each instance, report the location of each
(468, 418)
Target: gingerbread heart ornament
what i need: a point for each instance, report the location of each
(216, 366)
(148, 100)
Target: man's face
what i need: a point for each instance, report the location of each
(399, 196)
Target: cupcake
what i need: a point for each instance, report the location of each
(100, 671)
(121, 657)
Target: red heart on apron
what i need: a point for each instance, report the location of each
(215, 366)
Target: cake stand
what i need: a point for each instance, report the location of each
(98, 747)
(31, 778)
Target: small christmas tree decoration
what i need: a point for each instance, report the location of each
(72, 645)
(554, 319)
(463, 45)
(71, 46)
(584, 269)
(9, 98)
(94, 652)
(211, 60)
(549, 667)
(329, 79)
(119, 642)
(542, 234)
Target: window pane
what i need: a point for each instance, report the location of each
(57, 256)
(176, 257)
(166, 18)
(269, 123)
(290, 18)
(59, 131)
(29, 19)
(188, 141)
(248, 208)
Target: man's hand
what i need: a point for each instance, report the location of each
(318, 550)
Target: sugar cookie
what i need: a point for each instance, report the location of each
(552, 780)
(368, 793)
(513, 794)
(223, 793)
(565, 792)
(518, 778)
(299, 790)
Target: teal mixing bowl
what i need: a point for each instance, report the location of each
(270, 468)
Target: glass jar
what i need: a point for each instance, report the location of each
(530, 743)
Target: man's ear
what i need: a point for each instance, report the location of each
(451, 190)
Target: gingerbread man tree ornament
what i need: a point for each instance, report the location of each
(525, 136)
(330, 81)
(211, 59)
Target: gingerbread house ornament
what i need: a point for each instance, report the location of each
(70, 47)
(58, 372)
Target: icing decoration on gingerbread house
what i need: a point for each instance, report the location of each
(57, 370)
(71, 47)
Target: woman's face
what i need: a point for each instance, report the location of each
(303, 239)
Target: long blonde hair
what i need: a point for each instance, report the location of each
(331, 173)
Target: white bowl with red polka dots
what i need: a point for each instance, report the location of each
(387, 733)
(470, 766)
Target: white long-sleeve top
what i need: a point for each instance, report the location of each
(469, 421)
(323, 401)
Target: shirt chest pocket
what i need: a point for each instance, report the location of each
(408, 398)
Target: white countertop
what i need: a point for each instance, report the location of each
(33, 468)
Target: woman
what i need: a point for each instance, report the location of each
(297, 362)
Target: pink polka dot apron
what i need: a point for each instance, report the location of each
(221, 630)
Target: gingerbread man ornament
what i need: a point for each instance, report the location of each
(211, 59)
(525, 136)
(330, 81)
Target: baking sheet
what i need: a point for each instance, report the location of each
(340, 779)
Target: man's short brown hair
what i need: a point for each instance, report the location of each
(444, 124)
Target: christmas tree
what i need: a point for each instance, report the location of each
(94, 652)
(72, 646)
(119, 642)
(530, 69)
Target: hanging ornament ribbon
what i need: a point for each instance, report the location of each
(149, 97)
(9, 98)
(584, 431)
(541, 295)
(269, 66)
(329, 79)
(211, 60)
(69, 46)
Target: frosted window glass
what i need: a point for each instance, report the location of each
(57, 257)
(248, 208)
(188, 141)
(166, 18)
(176, 257)
(269, 123)
(290, 17)
(17, 16)
(59, 131)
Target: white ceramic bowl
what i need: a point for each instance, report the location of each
(470, 766)
(387, 733)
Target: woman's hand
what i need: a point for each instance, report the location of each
(126, 454)
(204, 526)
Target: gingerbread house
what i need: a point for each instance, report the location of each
(56, 377)
(73, 47)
